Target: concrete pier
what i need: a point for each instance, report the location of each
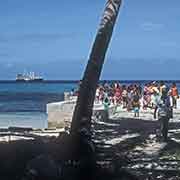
(60, 113)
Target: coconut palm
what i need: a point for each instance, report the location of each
(83, 110)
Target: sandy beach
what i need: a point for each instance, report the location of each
(133, 142)
(136, 143)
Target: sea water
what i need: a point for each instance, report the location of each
(24, 104)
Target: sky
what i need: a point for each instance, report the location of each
(54, 39)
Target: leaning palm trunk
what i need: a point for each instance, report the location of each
(83, 110)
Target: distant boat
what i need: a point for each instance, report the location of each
(28, 77)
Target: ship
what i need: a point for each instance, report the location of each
(28, 77)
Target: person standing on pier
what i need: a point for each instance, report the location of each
(164, 113)
(174, 95)
(136, 104)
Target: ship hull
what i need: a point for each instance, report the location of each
(34, 80)
(31, 77)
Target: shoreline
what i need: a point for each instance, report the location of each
(101, 81)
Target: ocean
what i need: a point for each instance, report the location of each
(24, 104)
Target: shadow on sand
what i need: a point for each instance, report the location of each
(115, 143)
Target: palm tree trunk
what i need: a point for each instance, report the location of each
(83, 110)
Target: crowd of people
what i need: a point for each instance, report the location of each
(159, 96)
(134, 96)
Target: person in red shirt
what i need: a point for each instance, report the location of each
(118, 93)
(174, 94)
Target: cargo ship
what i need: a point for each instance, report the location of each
(28, 77)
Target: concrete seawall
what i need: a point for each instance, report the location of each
(60, 113)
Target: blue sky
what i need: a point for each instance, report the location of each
(54, 38)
